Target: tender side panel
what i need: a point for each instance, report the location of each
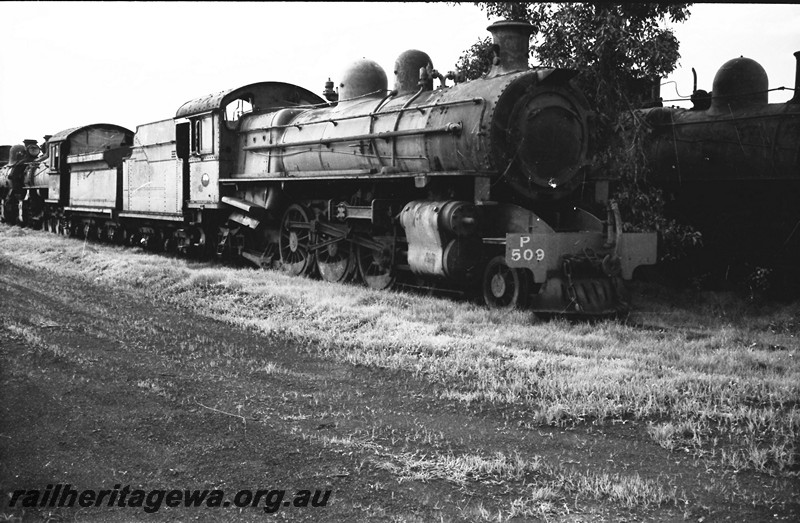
(152, 175)
(93, 184)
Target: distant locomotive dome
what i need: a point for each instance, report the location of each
(740, 81)
(361, 78)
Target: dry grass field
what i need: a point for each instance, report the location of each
(686, 410)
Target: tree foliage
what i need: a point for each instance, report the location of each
(616, 47)
(620, 51)
(477, 60)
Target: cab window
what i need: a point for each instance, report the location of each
(203, 135)
(55, 156)
(235, 109)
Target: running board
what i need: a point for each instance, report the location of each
(247, 206)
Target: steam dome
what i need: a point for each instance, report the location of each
(739, 82)
(361, 78)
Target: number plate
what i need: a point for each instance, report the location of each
(523, 251)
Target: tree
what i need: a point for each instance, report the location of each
(615, 47)
(477, 60)
(620, 51)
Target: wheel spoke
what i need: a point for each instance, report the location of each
(375, 274)
(504, 287)
(294, 243)
(340, 265)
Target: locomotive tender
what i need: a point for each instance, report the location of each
(465, 187)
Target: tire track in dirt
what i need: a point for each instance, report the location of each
(90, 425)
(117, 404)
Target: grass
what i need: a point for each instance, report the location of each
(718, 376)
(547, 486)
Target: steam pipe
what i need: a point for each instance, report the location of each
(449, 128)
(796, 98)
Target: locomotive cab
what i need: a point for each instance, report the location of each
(212, 139)
(94, 150)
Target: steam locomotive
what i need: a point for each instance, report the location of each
(731, 166)
(464, 187)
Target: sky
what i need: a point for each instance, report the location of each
(67, 64)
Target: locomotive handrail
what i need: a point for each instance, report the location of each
(454, 128)
(476, 101)
(354, 173)
(727, 119)
(689, 98)
(155, 144)
(372, 127)
(771, 146)
(397, 123)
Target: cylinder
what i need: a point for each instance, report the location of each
(459, 218)
(461, 259)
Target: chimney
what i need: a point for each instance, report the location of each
(796, 98)
(512, 44)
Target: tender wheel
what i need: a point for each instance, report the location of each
(376, 267)
(296, 256)
(335, 261)
(112, 234)
(504, 287)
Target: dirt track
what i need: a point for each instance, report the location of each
(99, 388)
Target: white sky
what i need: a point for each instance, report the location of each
(69, 64)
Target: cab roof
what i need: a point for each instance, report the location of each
(263, 95)
(67, 133)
